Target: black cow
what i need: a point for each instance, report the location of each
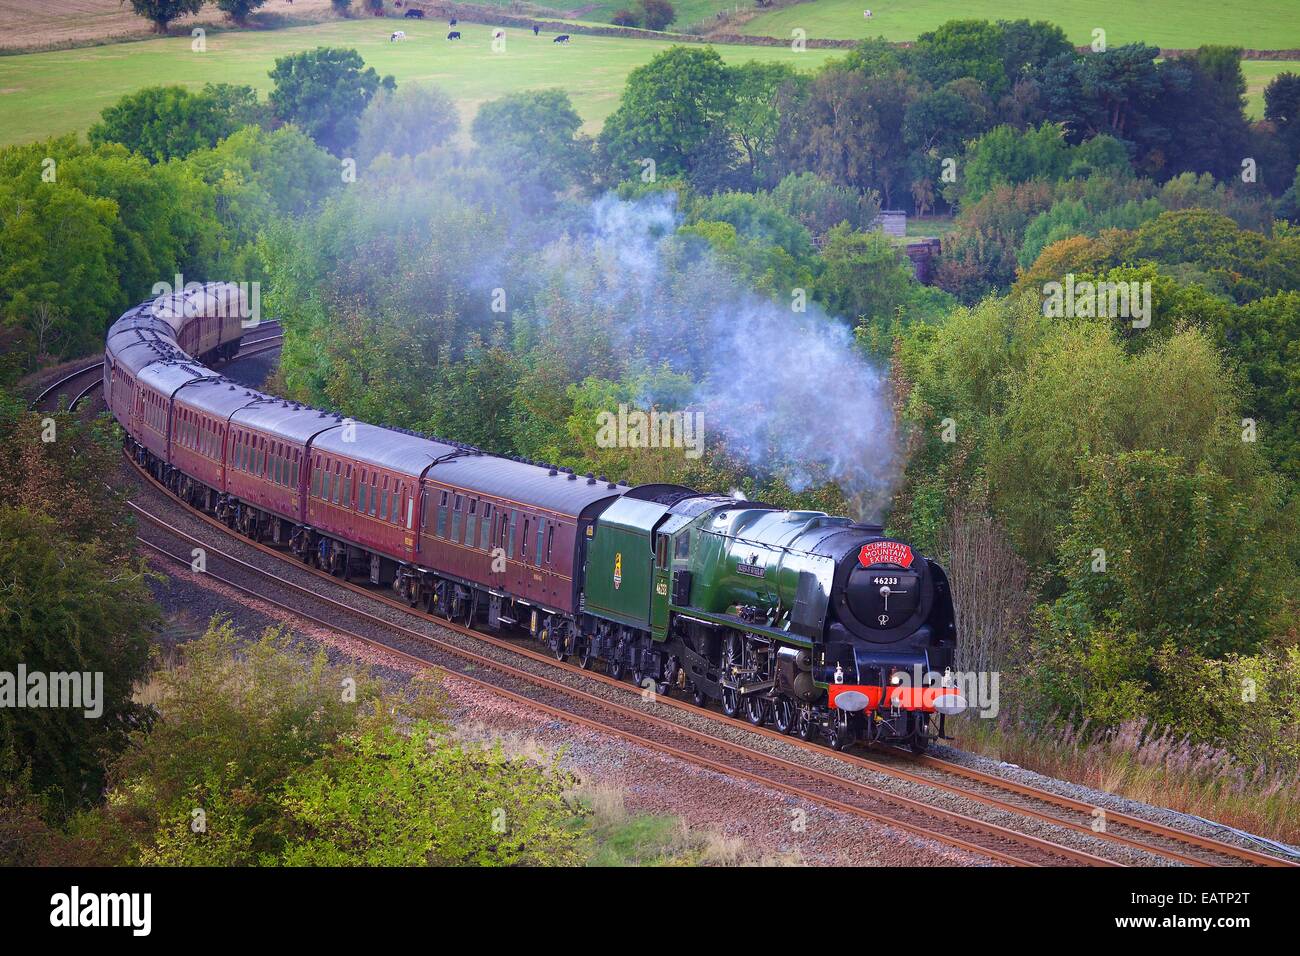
(536, 29)
(453, 35)
(451, 22)
(562, 38)
(414, 14)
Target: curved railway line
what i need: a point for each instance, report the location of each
(1122, 831)
(80, 383)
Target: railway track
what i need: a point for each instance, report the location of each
(1118, 829)
(635, 724)
(80, 383)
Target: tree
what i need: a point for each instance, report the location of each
(672, 111)
(1027, 47)
(1006, 157)
(535, 139)
(325, 91)
(406, 122)
(258, 178)
(170, 122)
(1282, 109)
(70, 608)
(849, 128)
(626, 18)
(961, 48)
(78, 249)
(238, 10)
(162, 12)
(866, 276)
(1168, 531)
(657, 14)
(753, 119)
(342, 7)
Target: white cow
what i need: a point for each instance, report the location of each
(498, 34)
(866, 14)
(397, 35)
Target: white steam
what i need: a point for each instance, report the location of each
(788, 392)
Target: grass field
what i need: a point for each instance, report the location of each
(65, 90)
(1259, 73)
(689, 12)
(1257, 24)
(38, 24)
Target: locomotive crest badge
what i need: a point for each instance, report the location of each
(618, 569)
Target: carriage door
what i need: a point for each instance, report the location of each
(659, 599)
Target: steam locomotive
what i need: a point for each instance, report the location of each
(819, 625)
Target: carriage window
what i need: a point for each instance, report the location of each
(363, 494)
(514, 518)
(347, 488)
(455, 518)
(315, 481)
(683, 545)
(537, 558)
(471, 522)
(523, 545)
(485, 534)
(410, 513)
(394, 514)
(550, 541)
(374, 494)
(441, 530)
(297, 462)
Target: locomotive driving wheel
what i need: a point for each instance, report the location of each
(733, 657)
(803, 723)
(783, 714)
(757, 710)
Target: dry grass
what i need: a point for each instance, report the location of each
(27, 25)
(1141, 763)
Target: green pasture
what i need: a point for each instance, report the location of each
(1170, 24)
(61, 91)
